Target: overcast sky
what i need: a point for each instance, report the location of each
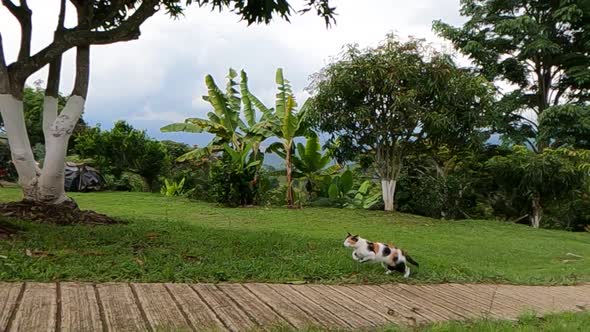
(159, 78)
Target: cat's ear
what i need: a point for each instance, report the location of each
(348, 234)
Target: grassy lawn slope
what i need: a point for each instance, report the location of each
(172, 239)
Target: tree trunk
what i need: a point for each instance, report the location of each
(51, 181)
(388, 191)
(289, 177)
(537, 211)
(12, 112)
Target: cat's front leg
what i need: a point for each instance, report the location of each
(354, 256)
(364, 259)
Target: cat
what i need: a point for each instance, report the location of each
(392, 258)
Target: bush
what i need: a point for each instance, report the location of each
(126, 182)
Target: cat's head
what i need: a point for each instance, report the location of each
(351, 240)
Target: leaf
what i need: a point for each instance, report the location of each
(333, 191)
(246, 101)
(37, 253)
(346, 181)
(364, 188)
(182, 127)
(296, 282)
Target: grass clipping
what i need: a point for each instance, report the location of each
(67, 213)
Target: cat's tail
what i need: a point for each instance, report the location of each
(412, 261)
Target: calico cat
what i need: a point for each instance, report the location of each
(392, 258)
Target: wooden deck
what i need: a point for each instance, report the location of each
(246, 307)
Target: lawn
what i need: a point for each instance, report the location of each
(563, 322)
(173, 239)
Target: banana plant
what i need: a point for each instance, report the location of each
(309, 162)
(286, 123)
(226, 120)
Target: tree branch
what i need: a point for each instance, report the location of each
(53, 79)
(4, 81)
(128, 30)
(82, 71)
(23, 14)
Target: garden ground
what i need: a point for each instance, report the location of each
(177, 240)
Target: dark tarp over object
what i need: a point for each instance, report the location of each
(80, 177)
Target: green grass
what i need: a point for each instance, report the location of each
(172, 239)
(563, 322)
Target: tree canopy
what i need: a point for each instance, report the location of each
(384, 101)
(540, 48)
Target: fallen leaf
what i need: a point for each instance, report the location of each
(139, 261)
(152, 236)
(297, 282)
(192, 258)
(37, 253)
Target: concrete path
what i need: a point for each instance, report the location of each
(252, 307)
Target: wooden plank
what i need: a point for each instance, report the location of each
(427, 301)
(283, 306)
(355, 314)
(160, 309)
(260, 311)
(484, 300)
(8, 301)
(499, 293)
(491, 292)
(442, 300)
(121, 312)
(196, 310)
(399, 307)
(349, 317)
(419, 305)
(79, 308)
(226, 309)
(535, 295)
(38, 308)
(466, 303)
(317, 310)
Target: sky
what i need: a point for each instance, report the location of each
(159, 79)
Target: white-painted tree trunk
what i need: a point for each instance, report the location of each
(46, 185)
(57, 135)
(388, 192)
(20, 147)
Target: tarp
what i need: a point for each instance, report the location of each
(81, 177)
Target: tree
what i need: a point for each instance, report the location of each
(383, 102)
(540, 48)
(99, 22)
(566, 125)
(124, 149)
(286, 123)
(535, 179)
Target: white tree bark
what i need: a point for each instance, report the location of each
(57, 135)
(20, 147)
(45, 185)
(388, 192)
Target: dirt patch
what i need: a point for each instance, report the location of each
(67, 213)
